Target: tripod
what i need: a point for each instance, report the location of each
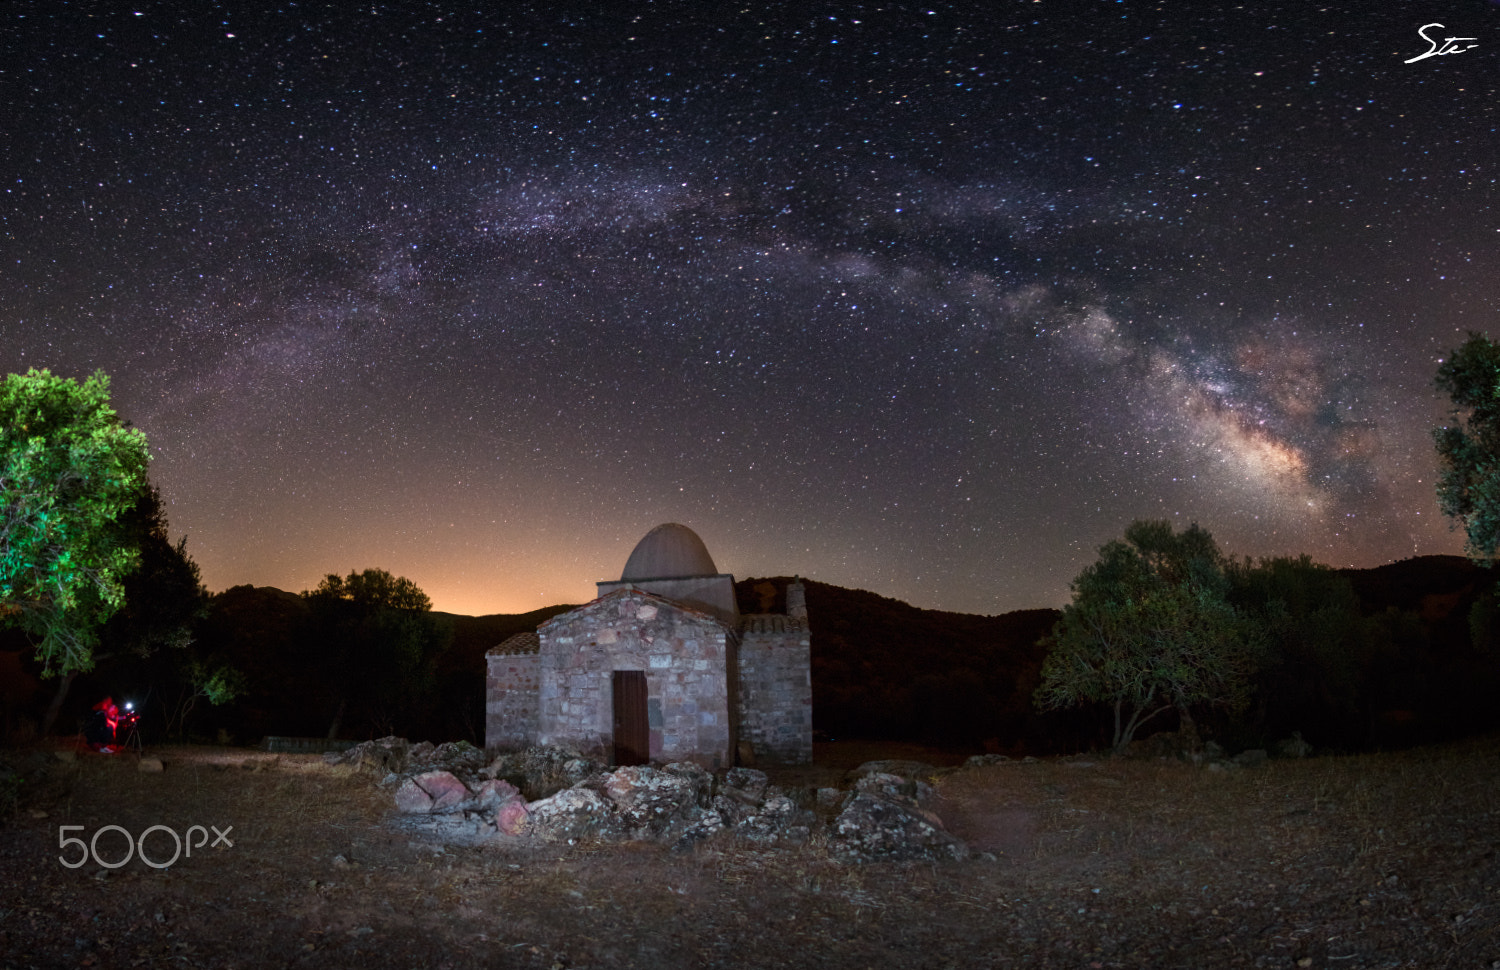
(130, 724)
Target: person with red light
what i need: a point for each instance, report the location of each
(100, 730)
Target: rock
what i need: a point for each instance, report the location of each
(575, 813)
(1294, 746)
(907, 770)
(697, 777)
(492, 793)
(650, 800)
(705, 826)
(512, 816)
(150, 765)
(412, 799)
(895, 788)
(456, 754)
(829, 798)
(432, 792)
(873, 829)
(381, 756)
(1163, 744)
(746, 785)
(542, 771)
(1253, 758)
(985, 760)
(778, 820)
(448, 793)
(65, 756)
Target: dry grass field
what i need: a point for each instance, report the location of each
(1384, 860)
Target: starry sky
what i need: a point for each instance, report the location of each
(926, 300)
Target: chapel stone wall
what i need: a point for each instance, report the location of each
(511, 695)
(775, 688)
(685, 655)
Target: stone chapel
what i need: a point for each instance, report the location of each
(662, 667)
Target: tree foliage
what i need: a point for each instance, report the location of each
(1468, 487)
(1150, 628)
(378, 638)
(164, 594)
(69, 468)
(164, 600)
(372, 589)
(1318, 644)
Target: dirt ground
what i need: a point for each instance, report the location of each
(1385, 860)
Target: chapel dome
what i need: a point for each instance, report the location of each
(669, 551)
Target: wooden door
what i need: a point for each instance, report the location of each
(632, 735)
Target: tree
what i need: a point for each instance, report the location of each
(373, 589)
(1318, 646)
(378, 636)
(164, 597)
(69, 468)
(1468, 487)
(1149, 629)
(197, 678)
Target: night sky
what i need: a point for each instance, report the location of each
(930, 301)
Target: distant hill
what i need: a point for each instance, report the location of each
(881, 668)
(1434, 586)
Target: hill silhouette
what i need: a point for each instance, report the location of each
(881, 668)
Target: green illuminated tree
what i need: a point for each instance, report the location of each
(1150, 629)
(69, 468)
(1468, 487)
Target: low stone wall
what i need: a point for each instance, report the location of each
(286, 745)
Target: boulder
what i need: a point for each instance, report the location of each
(911, 792)
(450, 755)
(904, 769)
(777, 820)
(572, 814)
(381, 756)
(1253, 758)
(874, 829)
(1164, 744)
(1294, 746)
(491, 793)
(512, 815)
(741, 792)
(432, 792)
(650, 800)
(150, 764)
(412, 799)
(745, 784)
(698, 778)
(542, 771)
(448, 793)
(706, 825)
